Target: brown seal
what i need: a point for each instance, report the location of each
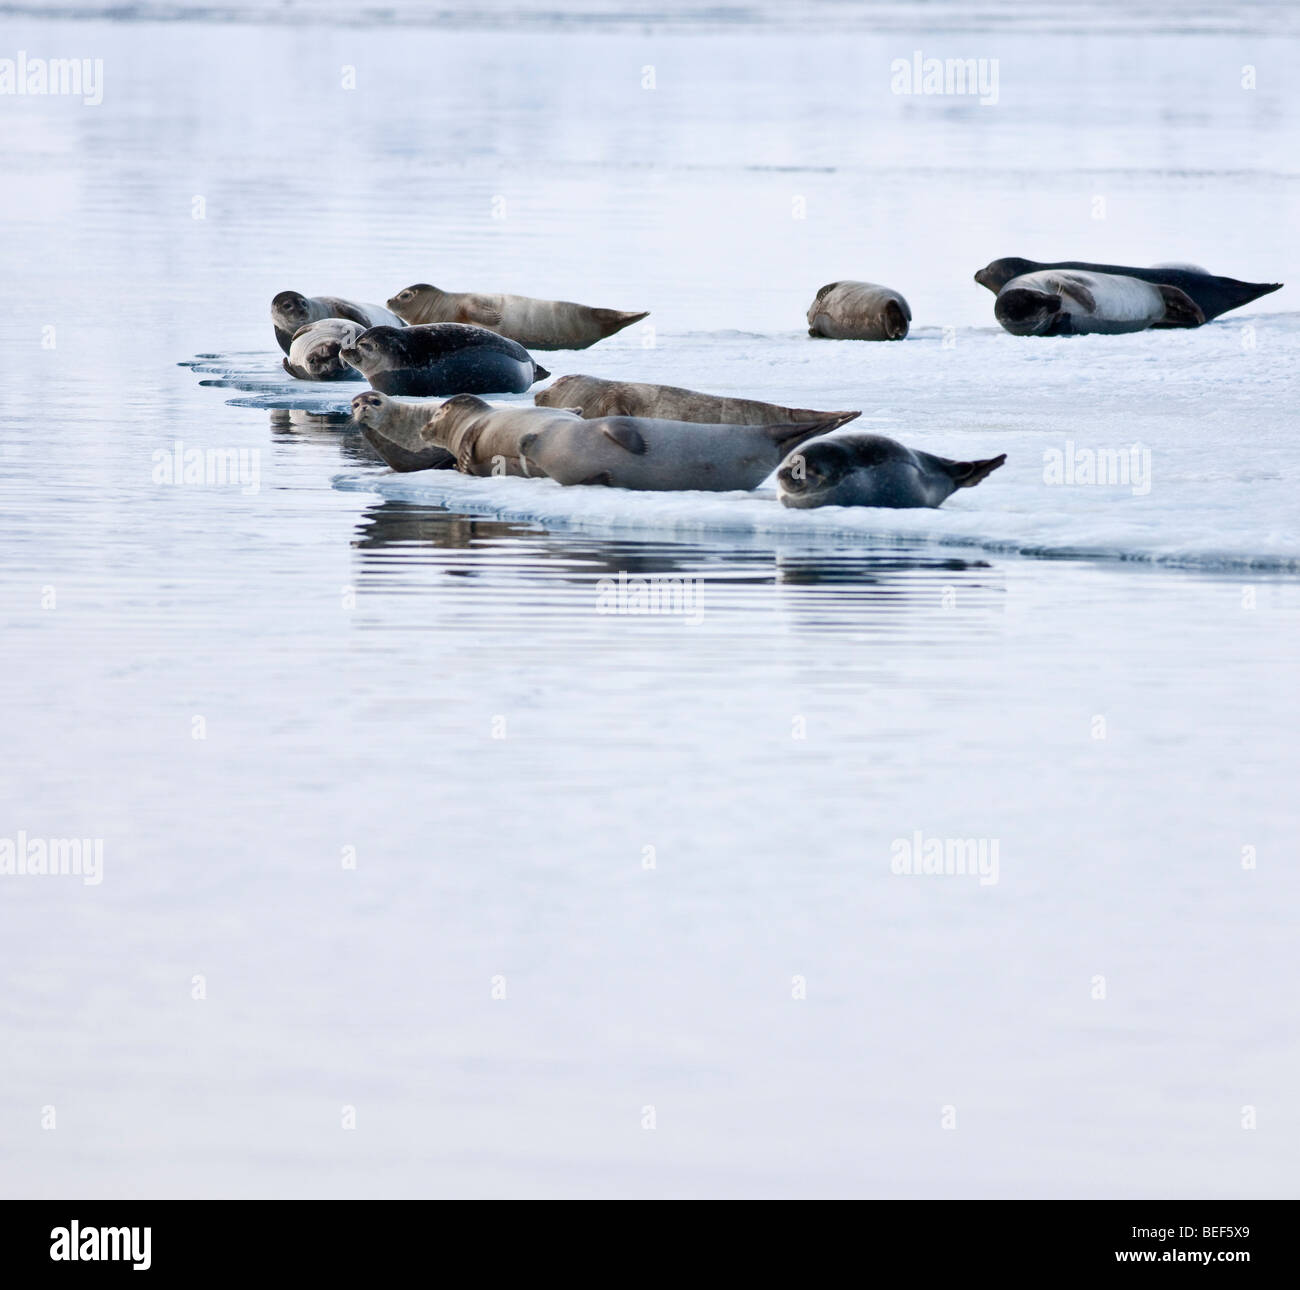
(858, 311)
(394, 429)
(535, 324)
(595, 397)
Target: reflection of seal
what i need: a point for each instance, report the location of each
(594, 397)
(314, 351)
(870, 470)
(537, 324)
(394, 431)
(445, 358)
(858, 311)
(621, 452)
(1213, 296)
(291, 310)
(1065, 302)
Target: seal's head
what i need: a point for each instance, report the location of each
(813, 469)
(290, 310)
(369, 409)
(894, 320)
(323, 362)
(997, 273)
(457, 412)
(412, 303)
(314, 352)
(370, 350)
(1024, 311)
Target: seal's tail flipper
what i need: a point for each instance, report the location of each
(612, 320)
(1242, 293)
(810, 414)
(539, 372)
(791, 434)
(966, 474)
(1180, 309)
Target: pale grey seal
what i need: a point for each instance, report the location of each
(619, 452)
(291, 310)
(1213, 295)
(315, 349)
(1068, 302)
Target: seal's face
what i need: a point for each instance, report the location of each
(290, 309)
(450, 416)
(410, 304)
(814, 468)
(997, 273)
(368, 409)
(1026, 312)
(365, 353)
(323, 363)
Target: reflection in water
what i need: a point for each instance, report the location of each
(333, 428)
(399, 543)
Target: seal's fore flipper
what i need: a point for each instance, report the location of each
(481, 312)
(1180, 309)
(617, 430)
(1077, 290)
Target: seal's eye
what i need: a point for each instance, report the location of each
(405, 295)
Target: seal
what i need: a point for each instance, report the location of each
(595, 397)
(291, 310)
(1213, 296)
(1066, 302)
(442, 358)
(619, 452)
(536, 324)
(858, 311)
(314, 351)
(394, 430)
(871, 470)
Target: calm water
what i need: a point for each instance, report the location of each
(363, 764)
